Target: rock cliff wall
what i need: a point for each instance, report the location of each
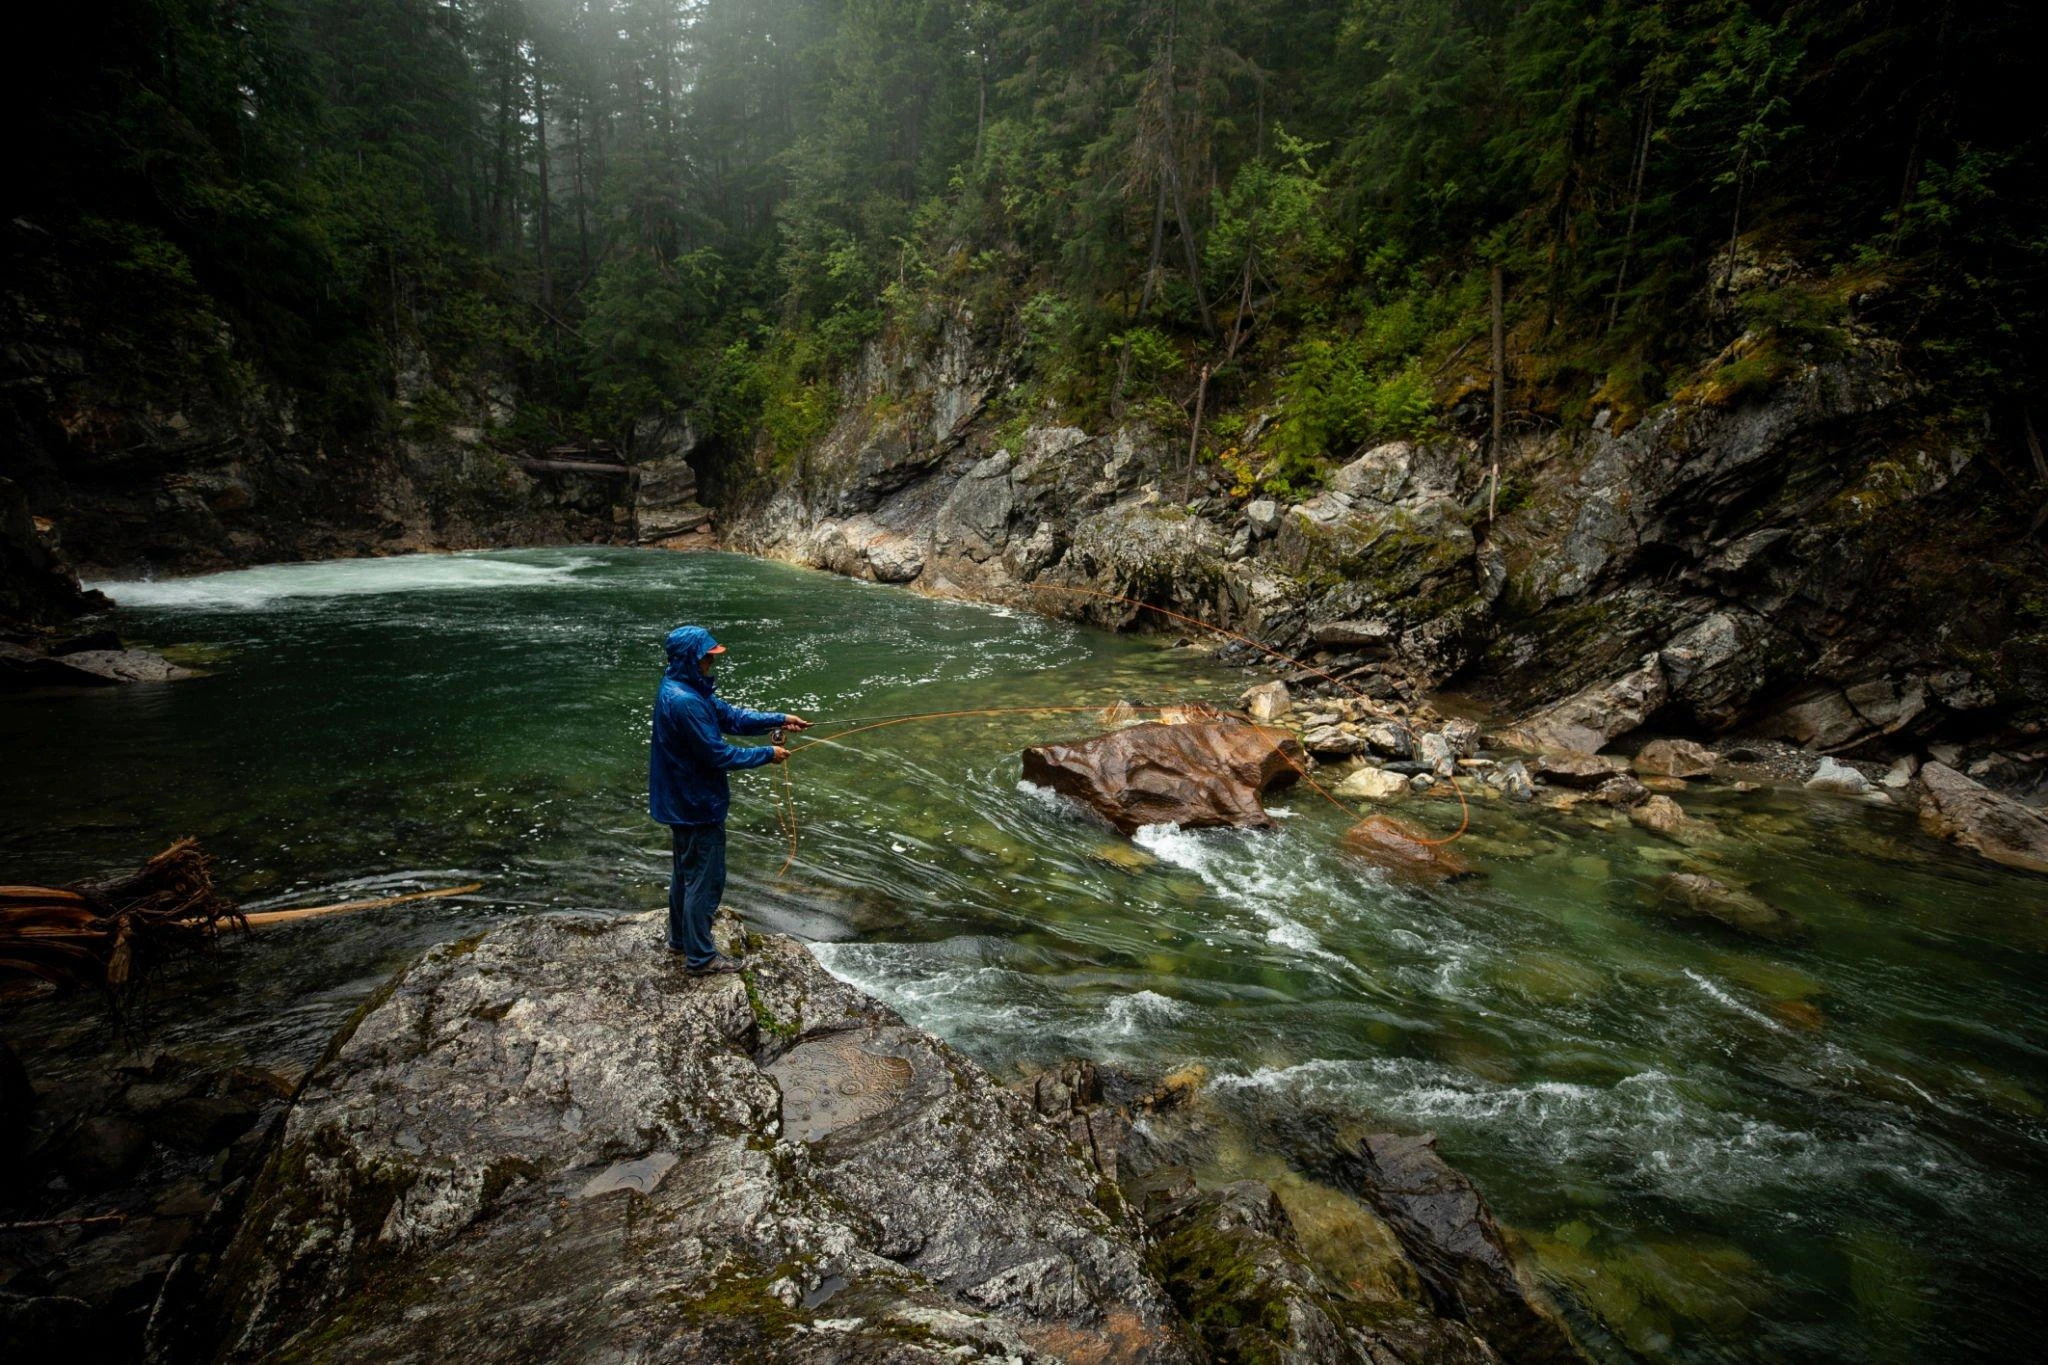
(1816, 563)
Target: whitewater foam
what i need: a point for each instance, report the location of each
(252, 589)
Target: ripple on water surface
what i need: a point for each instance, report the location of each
(1718, 1149)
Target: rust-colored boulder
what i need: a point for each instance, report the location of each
(1403, 850)
(1197, 775)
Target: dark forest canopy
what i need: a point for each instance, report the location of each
(708, 205)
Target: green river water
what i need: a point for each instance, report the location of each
(1717, 1149)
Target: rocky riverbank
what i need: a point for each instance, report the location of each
(1381, 755)
(549, 1141)
(1775, 566)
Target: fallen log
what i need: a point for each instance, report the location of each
(104, 933)
(258, 918)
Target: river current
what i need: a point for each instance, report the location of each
(1716, 1149)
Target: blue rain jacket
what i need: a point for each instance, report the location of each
(689, 758)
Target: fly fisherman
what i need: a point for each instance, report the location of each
(686, 787)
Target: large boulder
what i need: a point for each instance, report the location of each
(2002, 829)
(1662, 815)
(36, 585)
(975, 518)
(552, 1143)
(665, 492)
(1198, 775)
(1584, 722)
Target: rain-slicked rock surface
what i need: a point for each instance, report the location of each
(2002, 829)
(551, 1143)
(1198, 775)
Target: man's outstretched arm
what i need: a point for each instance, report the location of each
(738, 720)
(698, 731)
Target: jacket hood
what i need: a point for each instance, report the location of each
(687, 646)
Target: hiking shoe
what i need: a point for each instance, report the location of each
(717, 966)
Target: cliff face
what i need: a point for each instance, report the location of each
(1814, 563)
(211, 484)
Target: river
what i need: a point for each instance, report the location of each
(1716, 1149)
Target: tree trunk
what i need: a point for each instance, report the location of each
(1170, 164)
(1158, 246)
(582, 222)
(1635, 204)
(540, 121)
(980, 102)
(1735, 222)
(1187, 482)
(1187, 241)
(1500, 365)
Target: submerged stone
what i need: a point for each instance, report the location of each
(1689, 895)
(1450, 1234)
(1403, 850)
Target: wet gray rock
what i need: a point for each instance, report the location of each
(1266, 702)
(1622, 789)
(976, 516)
(549, 1142)
(1069, 1096)
(1999, 827)
(1390, 738)
(1512, 778)
(1450, 1234)
(1838, 778)
(1660, 815)
(1581, 771)
(665, 489)
(1584, 722)
(21, 667)
(1373, 637)
(1333, 741)
(1236, 1267)
(1434, 749)
(124, 666)
(1372, 784)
